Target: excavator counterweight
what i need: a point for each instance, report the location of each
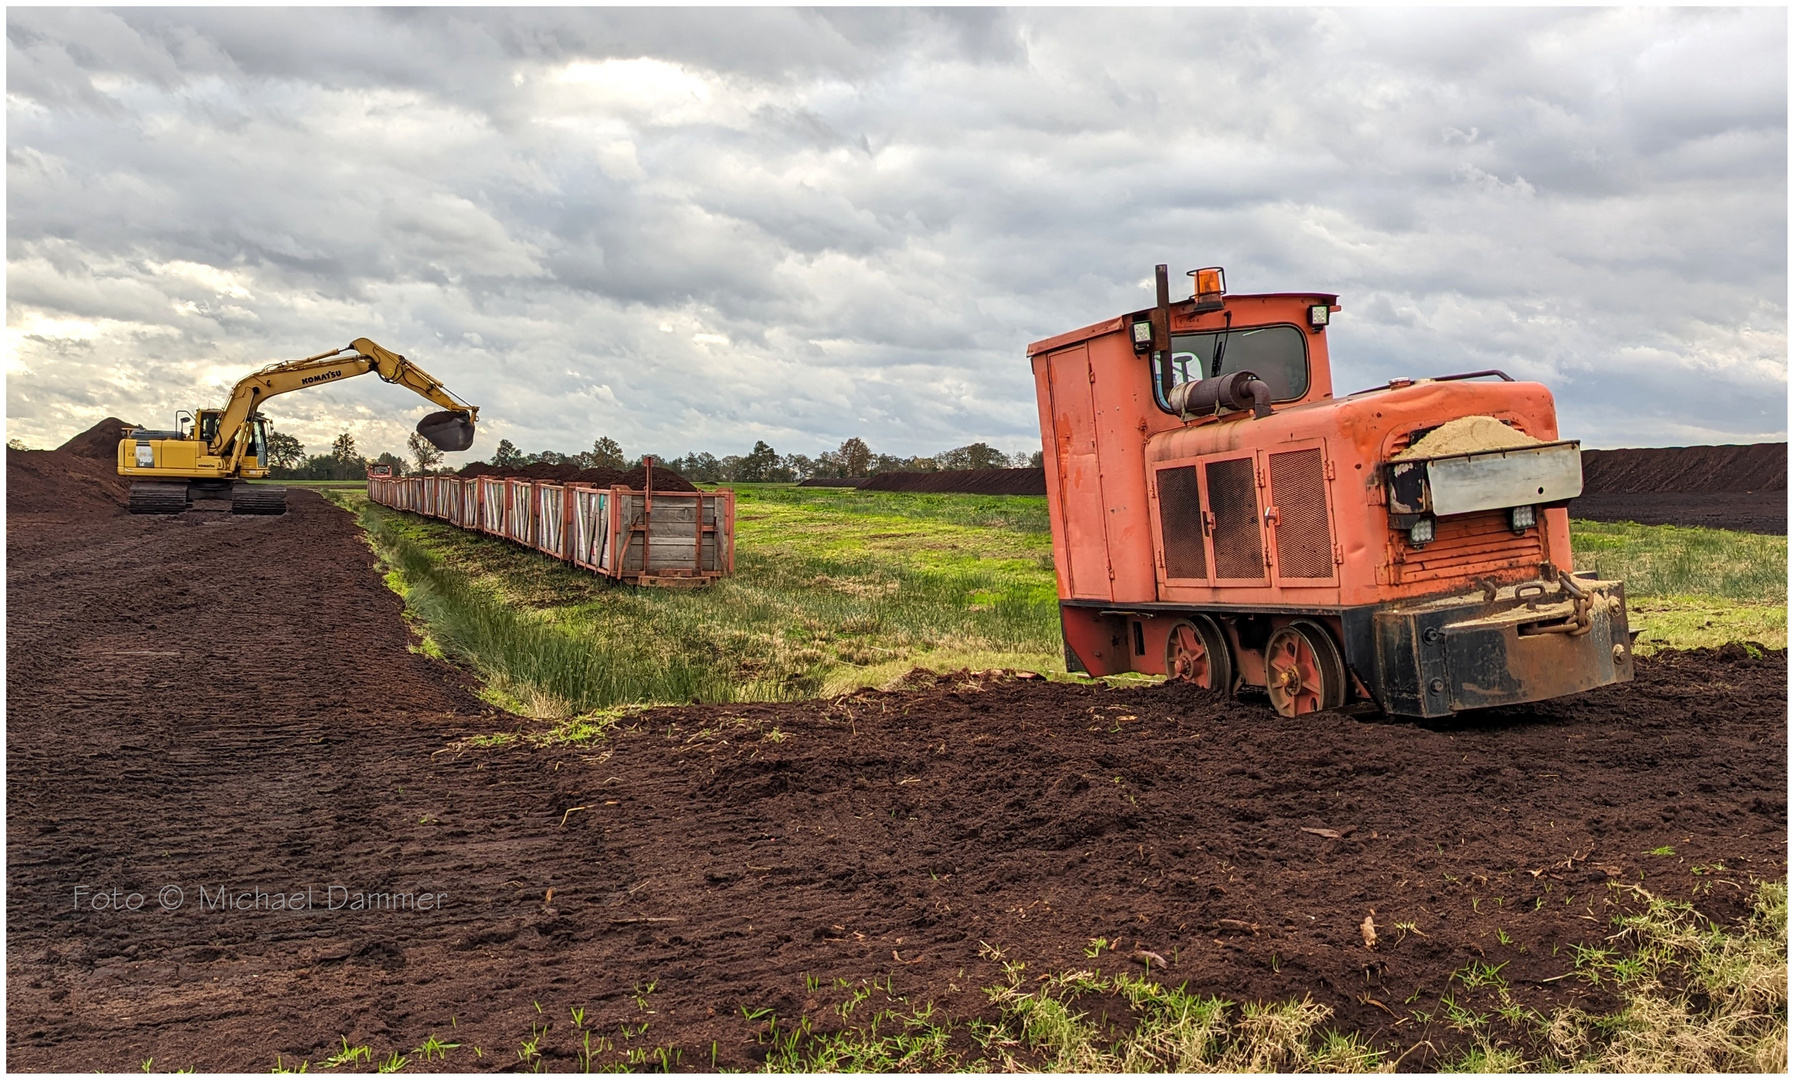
(226, 448)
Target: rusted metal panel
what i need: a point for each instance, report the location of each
(1235, 531)
(1298, 515)
(1488, 480)
(1467, 547)
(1530, 642)
(1080, 475)
(1181, 543)
(1094, 643)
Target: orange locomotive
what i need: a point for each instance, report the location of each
(1219, 516)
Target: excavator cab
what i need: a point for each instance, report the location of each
(256, 455)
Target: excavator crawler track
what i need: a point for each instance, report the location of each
(154, 498)
(248, 499)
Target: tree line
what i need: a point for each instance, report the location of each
(287, 459)
(762, 464)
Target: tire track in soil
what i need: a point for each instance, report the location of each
(231, 702)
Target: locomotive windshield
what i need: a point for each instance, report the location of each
(1276, 354)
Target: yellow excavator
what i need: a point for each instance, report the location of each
(212, 454)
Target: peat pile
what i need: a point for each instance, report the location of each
(99, 442)
(1717, 487)
(664, 479)
(78, 477)
(1758, 467)
(836, 481)
(963, 482)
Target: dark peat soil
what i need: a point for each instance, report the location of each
(217, 703)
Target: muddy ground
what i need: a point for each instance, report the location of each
(217, 703)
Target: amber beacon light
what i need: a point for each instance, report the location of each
(1211, 284)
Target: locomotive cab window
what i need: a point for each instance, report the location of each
(1276, 354)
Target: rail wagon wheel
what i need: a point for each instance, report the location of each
(1197, 653)
(1303, 671)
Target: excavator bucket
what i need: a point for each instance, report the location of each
(447, 430)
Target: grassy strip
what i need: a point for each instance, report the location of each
(1668, 560)
(837, 589)
(822, 602)
(1017, 513)
(529, 661)
(1692, 588)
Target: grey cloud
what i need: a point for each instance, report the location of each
(877, 209)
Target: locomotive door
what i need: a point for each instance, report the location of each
(1300, 516)
(1178, 522)
(1232, 519)
(1208, 519)
(1086, 544)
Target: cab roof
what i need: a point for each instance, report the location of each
(1121, 322)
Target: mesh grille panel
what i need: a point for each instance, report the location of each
(1180, 524)
(1299, 491)
(1233, 499)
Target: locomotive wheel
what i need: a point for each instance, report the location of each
(1197, 653)
(1303, 671)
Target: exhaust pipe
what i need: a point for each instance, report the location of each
(448, 430)
(1235, 390)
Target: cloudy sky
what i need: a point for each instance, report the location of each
(691, 229)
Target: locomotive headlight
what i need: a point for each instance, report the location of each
(1317, 315)
(1142, 336)
(1421, 534)
(1523, 518)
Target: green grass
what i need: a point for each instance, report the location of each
(829, 594)
(1026, 514)
(1693, 997)
(837, 588)
(1667, 560)
(1689, 588)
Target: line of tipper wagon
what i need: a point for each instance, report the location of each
(666, 538)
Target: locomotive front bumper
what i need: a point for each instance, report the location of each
(1503, 646)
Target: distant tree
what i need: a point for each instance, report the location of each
(605, 454)
(1037, 460)
(284, 451)
(325, 467)
(423, 452)
(343, 448)
(884, 463)
(759, 464)
(550, 457)
(506, 456)
(701, 467)
(798, 467)
(976, 456)
(729, 467)
(16, 444)
(856, 457)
